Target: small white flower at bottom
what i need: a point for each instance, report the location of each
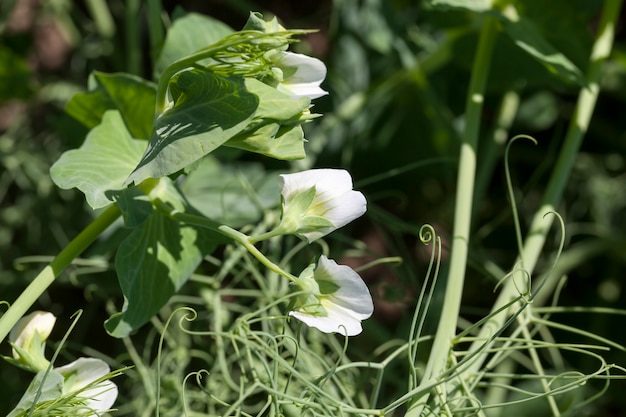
(82, 372)
(340, 299)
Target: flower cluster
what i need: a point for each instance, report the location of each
(331, 297)
(85, 378)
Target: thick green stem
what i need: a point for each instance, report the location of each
(446, 329)
(541, 223)
(58, 264)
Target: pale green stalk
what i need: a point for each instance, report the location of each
(542, 223)
(58, 264)
(436, 365)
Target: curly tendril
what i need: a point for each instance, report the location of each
(509, 186)
(427, 234)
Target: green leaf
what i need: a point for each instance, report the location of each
(207, 110)
(132, 96)
(134, 204)
(528, 37)
(235, 195)
(51, 385)
(102, 163)
(277, 132)
(154, 261)
(189, 34)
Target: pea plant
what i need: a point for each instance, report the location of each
(275, 334)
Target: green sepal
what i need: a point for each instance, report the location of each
(313, 224)
(299, 204)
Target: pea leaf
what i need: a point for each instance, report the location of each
(154, 262)
(207, 110)
(276, 131)
(235, 195)
(189, 34)
(132, 96)
(102, 163)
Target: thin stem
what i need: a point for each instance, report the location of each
(155, 28)
(446, 329)
(245, 242)
(552, 196)
(229, 232)
(54, 269)
(133, 42)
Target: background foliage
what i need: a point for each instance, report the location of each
(398, 75)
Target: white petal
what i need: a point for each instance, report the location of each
(339, 320)
(304, 75)
(348, 207)
(100, 397)
(24, 330)
(352, 295)
(328, 182)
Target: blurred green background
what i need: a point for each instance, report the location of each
(398, 74)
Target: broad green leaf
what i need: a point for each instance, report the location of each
(51, 385)
(189, 34)
(234, 195)
(207, 110)
(154, 261)
(15, 76)
(278, 133)
(274, 104)
(134, 97)
(102, 163)
(528, 37)
(134, 204)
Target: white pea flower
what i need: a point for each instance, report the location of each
(336, 299)
(299, 75)
(82, 372)
(318, 201)
(28, 338)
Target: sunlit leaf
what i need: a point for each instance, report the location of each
(154, 261)
(207, 110)
(134, 97)
(276, 132)
(102, 163)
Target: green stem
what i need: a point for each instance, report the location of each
(446, 329)
(245, 242)
(229, 232)
(155, 27)
(101, 15)
(133, 42)
(541, 223)
(58, 264)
